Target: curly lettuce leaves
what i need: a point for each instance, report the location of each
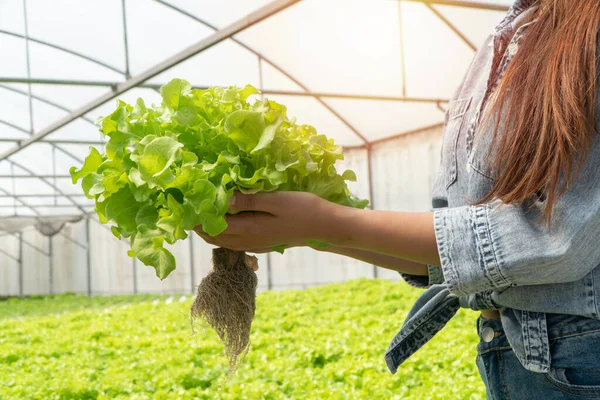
(170, 167)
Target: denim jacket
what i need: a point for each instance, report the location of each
(499, 256)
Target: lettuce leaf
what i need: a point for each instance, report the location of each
(170, 167)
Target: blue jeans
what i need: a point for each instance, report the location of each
(575, 369)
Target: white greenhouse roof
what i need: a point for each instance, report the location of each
(358, 70)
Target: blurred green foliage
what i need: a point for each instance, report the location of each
(321, 343)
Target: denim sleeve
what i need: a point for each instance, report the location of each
(439, 200)
(435, 277)
(498, 245)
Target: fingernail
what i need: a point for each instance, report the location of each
(232, 201)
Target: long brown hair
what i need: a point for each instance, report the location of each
(549, 93)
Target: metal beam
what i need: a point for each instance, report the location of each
(50, 184)
(32, 195)
(65, 82)
(442, 109)
(398, 135)
(67, 152)
(262, 97)
(266, 91)
(29, 206)
(88, 257)
(465, 4)
(53, 169)
(49, 254)
(452, 27)
(36, 212)
(135, 275)
(277, 67)
(64, 49)
(402, 59)
(53, 143)
(20, 201)
(28, 65)
(78, 142)
(60, 141)
(16, 127)
(439, 125)
(50, 266)
(54, 146)
(75, 242)
(44, 100)
(371, 192)
(20, 236)
(125, 41)
(33, 246)
(192, 265)
(14, 187)
(404, 99)
(7, 254)
(259, 15)
(29, 94)
(38, 217)
(61, 194)
(37, 176)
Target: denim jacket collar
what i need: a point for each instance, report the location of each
(518, 7)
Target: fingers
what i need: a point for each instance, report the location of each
(216, 242)
(248, 223)
(205, 236)
(230, 242)
(252, 262)
(266, 202)
(259, 251)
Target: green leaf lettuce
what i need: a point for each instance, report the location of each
(171, 167)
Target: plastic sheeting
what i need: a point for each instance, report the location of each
(379, 67)
(360, 71)
(403, 169)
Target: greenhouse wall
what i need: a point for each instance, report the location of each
(403, 170)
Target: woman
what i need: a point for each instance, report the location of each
(516, 211)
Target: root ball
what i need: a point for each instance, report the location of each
(226, 300)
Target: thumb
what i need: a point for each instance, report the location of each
(266, 202)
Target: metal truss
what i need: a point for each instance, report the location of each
(116, 88)
(490, 6)
(63, 49)
(265, 91)
(204, 44)
(262, 58)
(397, 136)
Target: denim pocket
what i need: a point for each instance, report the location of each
(479, 160)
(576, 364)
(481, 155)
(559, 379)
(454, 121)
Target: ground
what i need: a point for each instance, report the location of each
(322, 343)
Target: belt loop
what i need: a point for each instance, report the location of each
(537, 356)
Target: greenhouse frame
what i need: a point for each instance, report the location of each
(382, 95)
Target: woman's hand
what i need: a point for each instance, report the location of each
(293, 218)
(273, 219)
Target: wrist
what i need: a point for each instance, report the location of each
(333, 224)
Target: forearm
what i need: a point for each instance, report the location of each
(403, 235)
(380, 260)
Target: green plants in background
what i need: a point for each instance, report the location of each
(320, 343)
